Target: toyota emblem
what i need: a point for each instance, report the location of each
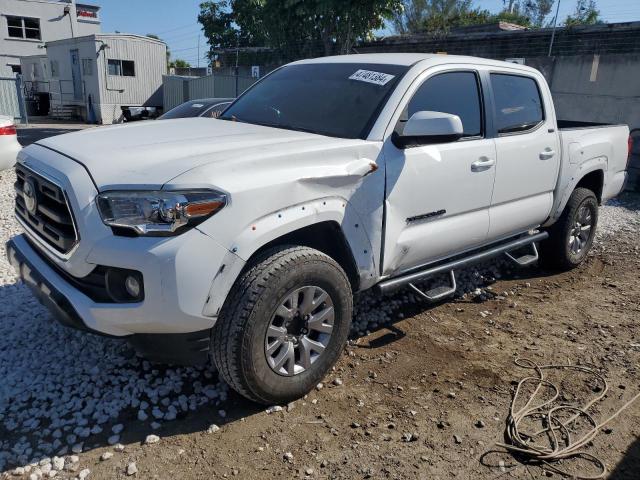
(30, 198)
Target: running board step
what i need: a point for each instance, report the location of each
(438, 293)
(526, 259)
(395, 283)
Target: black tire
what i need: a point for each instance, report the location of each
(238, 338)
(555, 252)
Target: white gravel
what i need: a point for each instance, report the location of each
(620, 215)
(63, 391)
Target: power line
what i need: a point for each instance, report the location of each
(185, 49)
(188, 34)
(178, 28)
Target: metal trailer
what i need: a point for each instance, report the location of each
(93, 77)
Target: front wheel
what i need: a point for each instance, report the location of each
(571, 237)
(284, 325)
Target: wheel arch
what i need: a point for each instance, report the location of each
(590, 176)
(331, 226)
(593, 181)
(326, 237)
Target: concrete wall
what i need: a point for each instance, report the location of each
(54, 25)
(580, 40)
(599, 88)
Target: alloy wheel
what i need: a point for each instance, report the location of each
(299, 331)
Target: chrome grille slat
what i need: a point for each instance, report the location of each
(51, 219)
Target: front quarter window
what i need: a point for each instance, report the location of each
(334, 99)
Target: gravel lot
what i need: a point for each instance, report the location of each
(68, 398)
(63, 391)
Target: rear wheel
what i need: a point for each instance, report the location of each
(571, 237)
(284, 325)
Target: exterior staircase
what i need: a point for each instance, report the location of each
(65, 112)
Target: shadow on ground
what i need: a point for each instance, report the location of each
(71, 389)
(629, 466)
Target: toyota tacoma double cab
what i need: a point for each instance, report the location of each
(244, 239)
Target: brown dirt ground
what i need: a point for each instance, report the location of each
(400, 380)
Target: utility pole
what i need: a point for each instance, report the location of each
(198, 51)
(553, 33)
(237, 60)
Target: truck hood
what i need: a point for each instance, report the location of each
(147, 155)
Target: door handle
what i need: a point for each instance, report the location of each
(547, 154)
(482, 164)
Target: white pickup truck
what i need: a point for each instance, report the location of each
(245, 238)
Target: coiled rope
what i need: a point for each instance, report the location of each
(561, 443)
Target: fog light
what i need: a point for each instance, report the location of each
(133, 286)
(124, 286)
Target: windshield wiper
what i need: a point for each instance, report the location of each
(233, 118)
(283, 126)
(297, 129)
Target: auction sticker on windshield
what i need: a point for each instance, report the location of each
(368, 76)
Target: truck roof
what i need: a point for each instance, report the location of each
(409, 59)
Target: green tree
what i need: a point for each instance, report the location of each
(439, 16)
(179, 63)
(297, 27)
(153, 35)
(411, 18)
(529, 13)
(586, 13)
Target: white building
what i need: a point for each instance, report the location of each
(27, 25)
(93, 76)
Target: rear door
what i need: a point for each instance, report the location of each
(438, 196)
(528, 153)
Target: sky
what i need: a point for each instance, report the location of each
(176, 21)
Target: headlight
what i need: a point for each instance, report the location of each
(158, 213)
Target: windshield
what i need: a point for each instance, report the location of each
(333, 99)
(193, 108)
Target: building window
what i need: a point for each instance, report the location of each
(17, 69)
(54, 68)
(87, 66)
(122, 68)
(24, 27)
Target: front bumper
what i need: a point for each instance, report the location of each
(165, 327)
(43, 289)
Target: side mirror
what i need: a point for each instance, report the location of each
(425, 128)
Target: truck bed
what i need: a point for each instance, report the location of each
(576, 124)
(585, 144)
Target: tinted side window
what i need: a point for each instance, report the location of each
(517, 102)
(456, 93)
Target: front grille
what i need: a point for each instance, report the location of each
(42, 206)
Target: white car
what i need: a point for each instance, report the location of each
(244, 238)
(9, 146)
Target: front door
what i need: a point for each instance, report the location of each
(438, 196)
(76, 75)
(528, 154)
